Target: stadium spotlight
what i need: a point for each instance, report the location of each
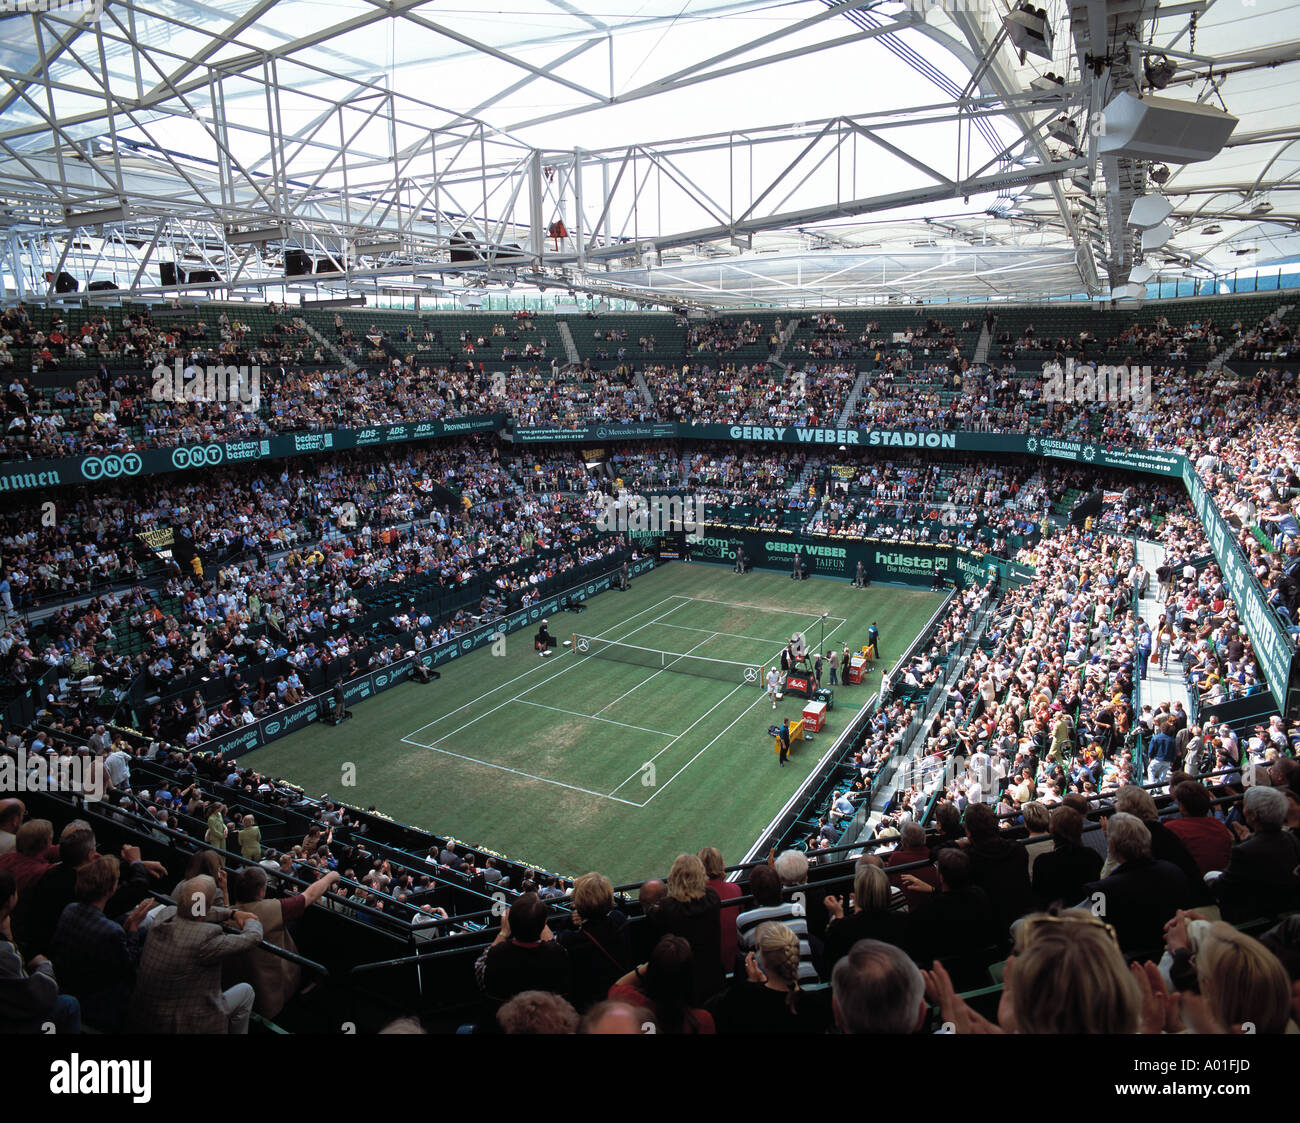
(1159, 71)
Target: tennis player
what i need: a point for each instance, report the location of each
(544, 641)
(773, 678)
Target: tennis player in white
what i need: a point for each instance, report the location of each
(773, 678)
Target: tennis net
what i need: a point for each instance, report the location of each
(743, 674)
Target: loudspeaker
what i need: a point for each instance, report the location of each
(462, 247)
(100, 286)
(203, 277)
(168, 274)
(65, 282)
(1162, 128)
(297, 263)
(328, 265)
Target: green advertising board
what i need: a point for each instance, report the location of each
(27, 475)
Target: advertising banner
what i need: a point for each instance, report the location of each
(908, 563)
(1273, 647)
(28, 475)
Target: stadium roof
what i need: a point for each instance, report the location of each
(717, 152)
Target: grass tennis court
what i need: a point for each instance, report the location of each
(583, 761)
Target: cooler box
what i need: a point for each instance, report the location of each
(858, 665)
(823, 694)
(814, 716)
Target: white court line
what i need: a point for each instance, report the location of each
(765, 608)
(733, 635)
(684, 767)
(541, 666)
(762, 697)
(655, 675)
(520, 772)
(520, 698)
(593, 717)
(680, 735)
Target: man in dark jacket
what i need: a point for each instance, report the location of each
(1263, 874)
(524, 955)
(998, 866)
(1162, 751)
(1142, 893)
(1061, 873)
(956, 919)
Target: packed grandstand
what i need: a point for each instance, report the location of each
(1008, 764)
(467, 568)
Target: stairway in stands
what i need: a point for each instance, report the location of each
(842, 422)
(787, 334)
(566, 337)
(1223, 356)
(1158, 686)
(985, 342)
(328, 344)
(643, 388)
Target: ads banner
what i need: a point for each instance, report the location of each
(656, 430)
(43, 474)
(30, 475)
(355, 690)
(1273, 647)
(883, 560)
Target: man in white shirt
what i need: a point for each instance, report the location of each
(118, 765)
(12, 814)
(773, 678)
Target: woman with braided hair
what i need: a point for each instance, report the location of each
(769, 1000)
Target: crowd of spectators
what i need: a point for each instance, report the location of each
(290, 574)
(719, 337)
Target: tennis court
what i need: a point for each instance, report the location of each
(656, 692)
(606, 758)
